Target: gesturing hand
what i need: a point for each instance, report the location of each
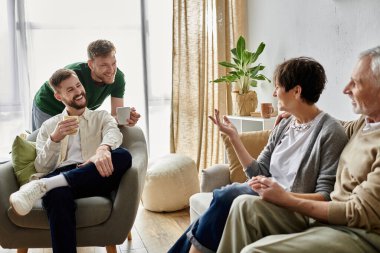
(226, 126)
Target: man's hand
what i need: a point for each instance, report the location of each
(281, 116)
(102, 160)
(63, 128)
(134, 117)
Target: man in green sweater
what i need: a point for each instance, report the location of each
(278, 222)
(100, 77)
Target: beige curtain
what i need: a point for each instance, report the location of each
(204, 32)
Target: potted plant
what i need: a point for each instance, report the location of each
(244, 74)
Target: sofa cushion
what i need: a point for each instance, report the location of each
(23, 156)
(90, 212)
(254, 142)
(199, 202)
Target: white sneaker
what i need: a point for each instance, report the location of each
(23, 200)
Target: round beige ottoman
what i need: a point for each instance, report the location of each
(169, 183)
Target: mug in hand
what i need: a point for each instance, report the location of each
(75, 130)
(266, 110)
(122, 115)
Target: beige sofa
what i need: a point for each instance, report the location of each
(220, 175)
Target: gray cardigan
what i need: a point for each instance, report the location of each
(317, 170)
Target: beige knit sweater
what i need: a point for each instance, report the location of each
(356, 196)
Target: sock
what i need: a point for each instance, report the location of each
(55, 182)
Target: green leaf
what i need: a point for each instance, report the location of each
(228, 64)
(259, 50)
(259, 67)
(254, 71)
(261, 77)
(237, 61)
(253, 83)
(234, 53)
(240, 47)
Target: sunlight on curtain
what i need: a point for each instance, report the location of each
(204, 32)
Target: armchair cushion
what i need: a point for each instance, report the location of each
(23, 156)
(254, 142)
(85, 215)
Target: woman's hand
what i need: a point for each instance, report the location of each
(226, 126)
(270, 190)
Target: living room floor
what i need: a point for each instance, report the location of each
(151, 233)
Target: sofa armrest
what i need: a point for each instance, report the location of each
(215, 177)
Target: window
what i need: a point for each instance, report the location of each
(58, 34)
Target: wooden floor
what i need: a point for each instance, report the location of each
(152, 233)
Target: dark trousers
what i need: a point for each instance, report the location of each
(206, 232)
(83, 182)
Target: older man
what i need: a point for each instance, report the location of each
(350, 222)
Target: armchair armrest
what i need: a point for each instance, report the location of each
(215, 177)
(8, 185)
(128, 196)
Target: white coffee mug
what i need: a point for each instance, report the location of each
(123, 114)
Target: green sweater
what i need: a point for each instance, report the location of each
(356, 196)
(96, 93)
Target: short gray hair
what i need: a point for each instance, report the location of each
(374, 53)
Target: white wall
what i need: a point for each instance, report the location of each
(333, 32)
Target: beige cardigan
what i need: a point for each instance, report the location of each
(356, 196)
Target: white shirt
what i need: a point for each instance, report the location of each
(369, 127)
(74, 152)
(286, 157)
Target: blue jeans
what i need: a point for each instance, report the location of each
(206, 232)
(83, 182)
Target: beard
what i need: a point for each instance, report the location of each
(75, 104)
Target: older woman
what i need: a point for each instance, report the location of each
(301, 155)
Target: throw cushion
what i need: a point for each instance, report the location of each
(254, 142)
(23, 156)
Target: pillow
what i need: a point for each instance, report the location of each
(23, 156)
(254, 142)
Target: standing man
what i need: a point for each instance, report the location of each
(100, 78)
(350, 222)
(80, 157)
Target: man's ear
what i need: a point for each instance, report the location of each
(57, 96)
(90, 64)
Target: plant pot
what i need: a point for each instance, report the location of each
(244, 104)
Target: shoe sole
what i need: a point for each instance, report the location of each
(13, 208)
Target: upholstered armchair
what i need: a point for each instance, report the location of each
(100, 221)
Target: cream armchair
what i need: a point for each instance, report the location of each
(100, 221)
